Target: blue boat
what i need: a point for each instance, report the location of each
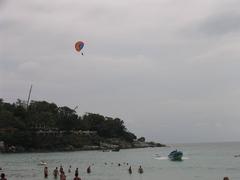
(175, 155)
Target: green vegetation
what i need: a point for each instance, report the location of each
(44, 125)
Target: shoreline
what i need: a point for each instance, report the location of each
(139, 145)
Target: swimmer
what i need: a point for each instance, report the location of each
(55, 172)
(225, 178)
(45, 171)
(69, 169)
(140, 169)
(61, 169)
(89, 170)
(62, 176)
(130, 170)
(77, 178)
(76, 172)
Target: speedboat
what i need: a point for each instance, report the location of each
(175, 155)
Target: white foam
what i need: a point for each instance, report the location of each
(166, 158)
(161, 158)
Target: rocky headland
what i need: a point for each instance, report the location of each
(46, 127)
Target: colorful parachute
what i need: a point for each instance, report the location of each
(79, 45)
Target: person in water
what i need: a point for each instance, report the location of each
(69, 169)
(55, 172)
(61, 169)
(89, 169)
(225, 178)
(3, 177)
(77, 178)
(62, 176)
(45, 171)
(140, 169)
(130, 170)
(76, 172)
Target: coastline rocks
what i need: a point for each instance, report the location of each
(2, 147)
(87, 147)
(78, 142)
(108, 146)
(69, 148)
(139, 144)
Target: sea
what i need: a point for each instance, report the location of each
(202, 161)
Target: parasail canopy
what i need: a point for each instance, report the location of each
(79, 45)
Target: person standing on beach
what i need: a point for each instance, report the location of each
(3, 177)
(45, 171)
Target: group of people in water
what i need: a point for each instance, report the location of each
(60, 173)
(140, 170)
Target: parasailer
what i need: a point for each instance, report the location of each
(78, 46)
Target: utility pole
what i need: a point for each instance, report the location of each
(29, 94)
(75, 108)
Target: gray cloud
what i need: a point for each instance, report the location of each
(220, 24)
(162, 66)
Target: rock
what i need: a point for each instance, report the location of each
(90, 147)
(108, 146)
(141, 139)
(69, 148)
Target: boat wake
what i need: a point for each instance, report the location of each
(166, 158)
(161, 158)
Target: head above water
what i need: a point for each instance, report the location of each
(225, 178)
(2, 175)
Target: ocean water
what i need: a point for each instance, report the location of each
(210, 161)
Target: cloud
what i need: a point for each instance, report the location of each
(160, 65)
(220, 24)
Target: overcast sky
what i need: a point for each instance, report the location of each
(169, 68)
